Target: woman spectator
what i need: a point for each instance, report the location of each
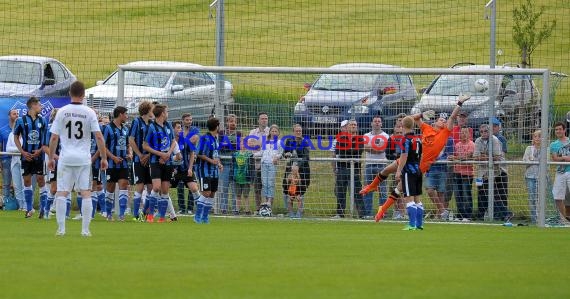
(270, 154)
(531, 154)
(298, 153)
(463, 174)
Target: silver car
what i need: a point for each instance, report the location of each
(193, 92)
(514, 92)
(25, 76)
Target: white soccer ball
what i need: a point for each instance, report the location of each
(265, 211)
(481, 85)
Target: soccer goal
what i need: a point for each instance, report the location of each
(475, 178)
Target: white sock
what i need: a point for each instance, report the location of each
(170, 209)
(86, 210)
(60, 209)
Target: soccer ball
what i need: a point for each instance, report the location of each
(265, 211)
(481, 85)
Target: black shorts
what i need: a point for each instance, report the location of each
(209, 184)
(161, 171)
(116, 174)
(141, 174)
(412, 183)
(96, 175)
(182, 176)
(33, 167)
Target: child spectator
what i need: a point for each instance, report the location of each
(531, 154)
(243, 173)
(293, 180)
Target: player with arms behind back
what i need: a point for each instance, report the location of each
(72, 127)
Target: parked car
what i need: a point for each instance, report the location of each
(25, 76)
(516, 97)
(333, 98)
(193, 92)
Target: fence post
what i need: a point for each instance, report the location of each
(543, 166)
(351, 187)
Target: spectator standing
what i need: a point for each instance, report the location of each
(348, 147)
(500, 173)
(228, 147)
(499, 135)
(375, 149)
(532, 154)
(463, 174)
(560, 152)
(293, 181)
(6, 160)
(256, 136)
(243, 171)
(270, 155)
(298, 153)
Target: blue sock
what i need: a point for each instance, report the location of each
(419, 215)
(94, 203)
(43, 199)
(68, 205)
(162, 205)
(109, 203)
(29, 198)
(206, 210)
(123, 202)
(79, 200)
(136, 204)
(199, 209)
(412, 212)
(101, 201)
(49, 202)
(152, 201)
(146, 205)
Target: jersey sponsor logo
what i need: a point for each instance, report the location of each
(34, 137)
(164, 144)
(122, 143)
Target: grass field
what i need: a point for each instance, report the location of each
(259, 258)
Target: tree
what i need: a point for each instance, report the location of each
(525, 32)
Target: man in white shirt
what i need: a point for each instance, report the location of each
(375, 150)
(72, 127)
(256, 145)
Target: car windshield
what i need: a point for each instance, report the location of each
(346, 82)
(453, 85)
(21, 72)
(149, 79)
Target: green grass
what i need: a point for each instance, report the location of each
(255, 258)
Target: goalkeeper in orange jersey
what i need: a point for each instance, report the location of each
(434, 139)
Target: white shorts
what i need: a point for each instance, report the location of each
(70, 176)
(561, 184)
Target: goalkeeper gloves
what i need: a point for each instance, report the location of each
(427, 115)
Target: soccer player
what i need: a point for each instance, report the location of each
(137, 133)
(73, 126)
(51, 175)
(410, 176)
(32, 129)
(97, 193)
(433, 140)
(159, 142)
(209, 167)
(115, 134)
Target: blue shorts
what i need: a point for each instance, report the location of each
(436, 178)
